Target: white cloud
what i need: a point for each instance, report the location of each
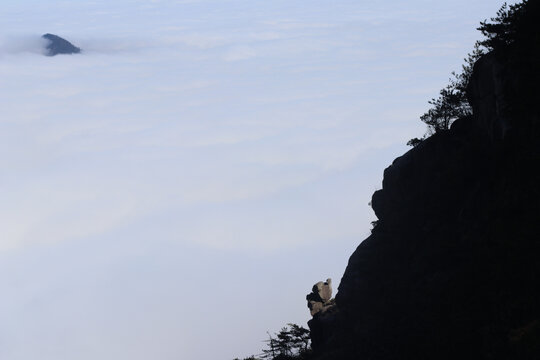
(110, 45)
(192, 147)
(197, 40)
(21, 44)
(240, 52)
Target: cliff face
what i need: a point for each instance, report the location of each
(452, 268)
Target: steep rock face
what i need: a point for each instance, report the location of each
(452, 268)
(56, 45)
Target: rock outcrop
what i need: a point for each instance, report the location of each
(320, 296)
(452, 267)
(56, 45)
(321, 306)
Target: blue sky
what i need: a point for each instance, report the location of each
(174, 191)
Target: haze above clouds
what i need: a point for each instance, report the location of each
(174, 191)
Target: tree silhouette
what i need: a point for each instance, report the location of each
(452, 103)
(502, 31)
(504, 28)
(290, 343)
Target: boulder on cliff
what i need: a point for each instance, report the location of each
(320, 296)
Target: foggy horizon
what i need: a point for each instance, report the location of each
(190, 175)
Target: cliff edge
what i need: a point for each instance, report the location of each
(452, 267)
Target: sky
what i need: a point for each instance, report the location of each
(174, 191)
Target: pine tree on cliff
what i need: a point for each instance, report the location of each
(513, 24)
(291, 343)
(452, 103)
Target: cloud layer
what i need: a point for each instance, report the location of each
(187, 178)
(22, 44)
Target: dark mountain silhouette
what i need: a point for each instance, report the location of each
(452, 267)
(57, 45)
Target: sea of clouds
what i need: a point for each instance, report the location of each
(176, 189)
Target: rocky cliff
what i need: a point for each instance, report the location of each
(452, 267)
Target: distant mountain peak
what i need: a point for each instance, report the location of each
(58, 45)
